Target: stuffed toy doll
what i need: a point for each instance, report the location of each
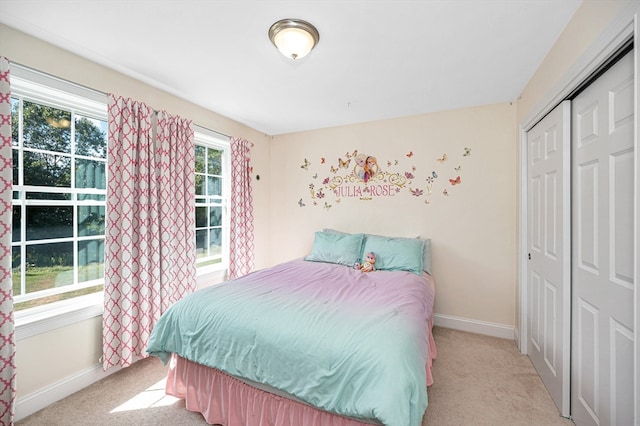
(369, 263)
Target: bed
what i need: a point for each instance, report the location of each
(312, 341)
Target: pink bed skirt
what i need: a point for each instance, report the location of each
(225, 400)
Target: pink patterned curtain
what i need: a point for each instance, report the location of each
(149, 221)
(7, 341)
(176, 150)
(241, 232)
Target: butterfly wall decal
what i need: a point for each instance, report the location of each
(315, 176)
(300, 203)
(457, 168)
(343, 163)
(409, 175)
(327, 205)
(333, 169)
(445, 192)
(322, 160)
(410, 154)
(305, 165)
(442, 159)
(467, 152)
(434, 174)
(455, 181)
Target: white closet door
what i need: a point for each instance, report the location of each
(603, 250)
(549, 236)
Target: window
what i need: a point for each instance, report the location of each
(59, 142)
(212, 178)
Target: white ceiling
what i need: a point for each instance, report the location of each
(376, 59)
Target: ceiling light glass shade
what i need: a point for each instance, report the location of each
(294, 38)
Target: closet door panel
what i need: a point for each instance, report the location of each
(602, 258)
(548, 269)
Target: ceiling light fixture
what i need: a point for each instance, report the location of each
(294, 38)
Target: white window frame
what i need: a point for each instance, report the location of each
(214, 140)
(48, 90)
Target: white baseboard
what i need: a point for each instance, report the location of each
(36, 401)
(475, 326)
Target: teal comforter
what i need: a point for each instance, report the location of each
(342, 340)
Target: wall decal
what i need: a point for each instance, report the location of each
(361, 176)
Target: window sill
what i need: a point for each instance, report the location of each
(42, 319)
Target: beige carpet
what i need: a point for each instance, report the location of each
(479, 381)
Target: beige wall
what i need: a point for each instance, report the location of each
(472, 229)
(76, 348)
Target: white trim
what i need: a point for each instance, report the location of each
(474, 326)
(524, 244)
(636, 224)
(46, 396)
(58, 93)
(42, 319)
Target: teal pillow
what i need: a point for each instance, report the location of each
(426, 251)
(396, 254)
(343, 249)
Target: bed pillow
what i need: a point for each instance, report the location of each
(396, 254)
(343, 249)
(426, 254)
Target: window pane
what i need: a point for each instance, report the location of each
(47, 169)
(199, 185)
(49, 222)
(46, 128)
(214, 186)
(54, 298)
(49, 266)
(90, 220)
(16, 167)
(91, 137)
(16, 221)
(201, 243)
(91, 197)
(215, 242)
(213, 162)
(16, 262)
(48, 196)
(215, 216)
(90, 260)
(201, 217)
(15, 125)
(200, 154)
(90, 174)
